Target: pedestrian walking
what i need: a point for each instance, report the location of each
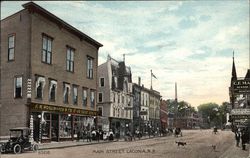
(117, 135)
(215, 130)
(149, 130)
(88, 136)
(98, 135)
(243, 140)
(78, 134)
(237, 138)
(111, 135)
(101, 134)
(84, 134)
(93, 134)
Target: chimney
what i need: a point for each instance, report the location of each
(139, 81)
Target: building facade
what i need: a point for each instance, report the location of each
(154, 110)
(115, 98)
(164, 115)
(141, 107)
(239, 93)
(48, 75)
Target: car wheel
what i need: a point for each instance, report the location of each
(17, 149)
(1, 149)
(34, 147)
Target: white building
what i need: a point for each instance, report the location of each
(115, 99)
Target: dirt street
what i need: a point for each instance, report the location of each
(198, 145)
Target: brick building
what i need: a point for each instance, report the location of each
(48, 75)
(164, 114)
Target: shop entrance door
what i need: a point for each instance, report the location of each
(54, 127)
(36, 126)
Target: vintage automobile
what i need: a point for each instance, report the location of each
(19, 141)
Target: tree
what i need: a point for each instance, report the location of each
(183, 107)
(171, 105)
(210, 113)
(223, 111)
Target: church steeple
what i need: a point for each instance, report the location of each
(234, 75)
(233, 78)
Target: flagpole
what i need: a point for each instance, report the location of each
(151, 79)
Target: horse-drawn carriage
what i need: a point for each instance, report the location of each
(215, 130)
(177, 132)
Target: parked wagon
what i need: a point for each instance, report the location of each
(177, 132)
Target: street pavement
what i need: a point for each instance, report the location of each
(198, 145)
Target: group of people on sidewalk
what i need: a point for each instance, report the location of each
(98, 134)
(94, 135)
(243, 136)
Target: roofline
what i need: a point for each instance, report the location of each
(12, 15)
(33, 7)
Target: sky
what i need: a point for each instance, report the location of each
(187, 42)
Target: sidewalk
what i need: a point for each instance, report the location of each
(236, 152)
(65, 144)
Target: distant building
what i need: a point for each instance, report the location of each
(141, 106)
(170, 120)
(115, 98)
(164, 115)
(154, 110)
(48, 78)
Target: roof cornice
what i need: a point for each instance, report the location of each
(33, 7)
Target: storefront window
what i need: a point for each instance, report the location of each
(80, 124)
(65, 130)
(45, 124)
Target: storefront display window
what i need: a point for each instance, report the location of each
(45, 124)
(80, 124)
(65, 129)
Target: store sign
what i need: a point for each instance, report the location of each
(61, 109)
(240, 122)
(240, 112)
(240, 116)
(241, 86)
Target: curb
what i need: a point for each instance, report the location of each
(75, 145)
